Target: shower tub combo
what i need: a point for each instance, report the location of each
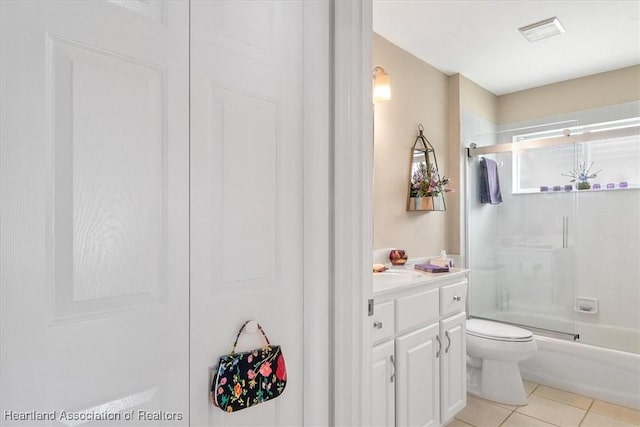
(559, 260)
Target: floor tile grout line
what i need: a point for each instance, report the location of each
(593, 401)
(505, 420)
(564, 403)
(586, 413)
(499, 405)
(516, 408)
(554, 423)
(612, 416)
(568, 392)
(534, 388)
(540, 419)
(464, 422)
(533, 417)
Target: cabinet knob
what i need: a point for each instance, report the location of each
(457, 298)
(377, 324)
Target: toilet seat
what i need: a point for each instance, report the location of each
(497, 331)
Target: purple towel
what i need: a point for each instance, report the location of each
(489, 183)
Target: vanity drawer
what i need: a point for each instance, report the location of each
(416, 309)
(453, 298)
(383, 321)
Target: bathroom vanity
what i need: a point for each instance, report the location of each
(419, 347)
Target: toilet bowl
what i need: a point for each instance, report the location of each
(493, 352)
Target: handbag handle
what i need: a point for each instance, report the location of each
(233, 351)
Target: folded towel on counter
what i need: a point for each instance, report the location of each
(431, 268)
(489, 182)
(441, 262)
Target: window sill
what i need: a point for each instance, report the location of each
(633, 186)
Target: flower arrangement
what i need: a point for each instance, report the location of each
(582, 174)
(425, 182)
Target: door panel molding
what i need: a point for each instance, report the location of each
(99, 200)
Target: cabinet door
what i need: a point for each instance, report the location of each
(383, 411)
(418, 378)
(453, 376)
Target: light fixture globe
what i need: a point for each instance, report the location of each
(381, 85)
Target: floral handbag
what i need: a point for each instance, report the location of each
(246, 379)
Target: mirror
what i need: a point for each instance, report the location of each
(426, 188)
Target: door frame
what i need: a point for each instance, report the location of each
(353, 199)
(338, 223)
(316, 222)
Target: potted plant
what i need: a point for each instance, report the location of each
(427, 184)
(582, 174)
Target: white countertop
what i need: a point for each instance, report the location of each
(420, 279)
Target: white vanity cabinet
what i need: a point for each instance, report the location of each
(419, 351)
(418, 378)
(383, 410)
(383, 374)
(453, 366)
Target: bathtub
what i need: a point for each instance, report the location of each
(607, 374)
(610, 375)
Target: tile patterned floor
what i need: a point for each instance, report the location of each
(547, 407)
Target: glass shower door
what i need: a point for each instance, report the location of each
(521, 251)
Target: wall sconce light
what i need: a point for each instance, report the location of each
(381, 86)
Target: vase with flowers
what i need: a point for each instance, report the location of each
(581, 175)
(427, 188)
(426, 182)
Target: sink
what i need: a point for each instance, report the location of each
(396, 272)
(395, 276)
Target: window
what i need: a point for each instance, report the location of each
(615, 156)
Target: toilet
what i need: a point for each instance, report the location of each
(493, 352)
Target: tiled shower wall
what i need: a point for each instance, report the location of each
(607, 243)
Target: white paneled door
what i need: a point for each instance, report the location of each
(152, 158)
(95, 212)
(247, 194)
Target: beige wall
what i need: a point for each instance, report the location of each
(464, 94)
(422, 94)
(598, 90)
(419, 95)
(455, 202)
(478, 100)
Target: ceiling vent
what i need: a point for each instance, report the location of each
(542, 30)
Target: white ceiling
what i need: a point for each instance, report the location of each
(480, 39)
